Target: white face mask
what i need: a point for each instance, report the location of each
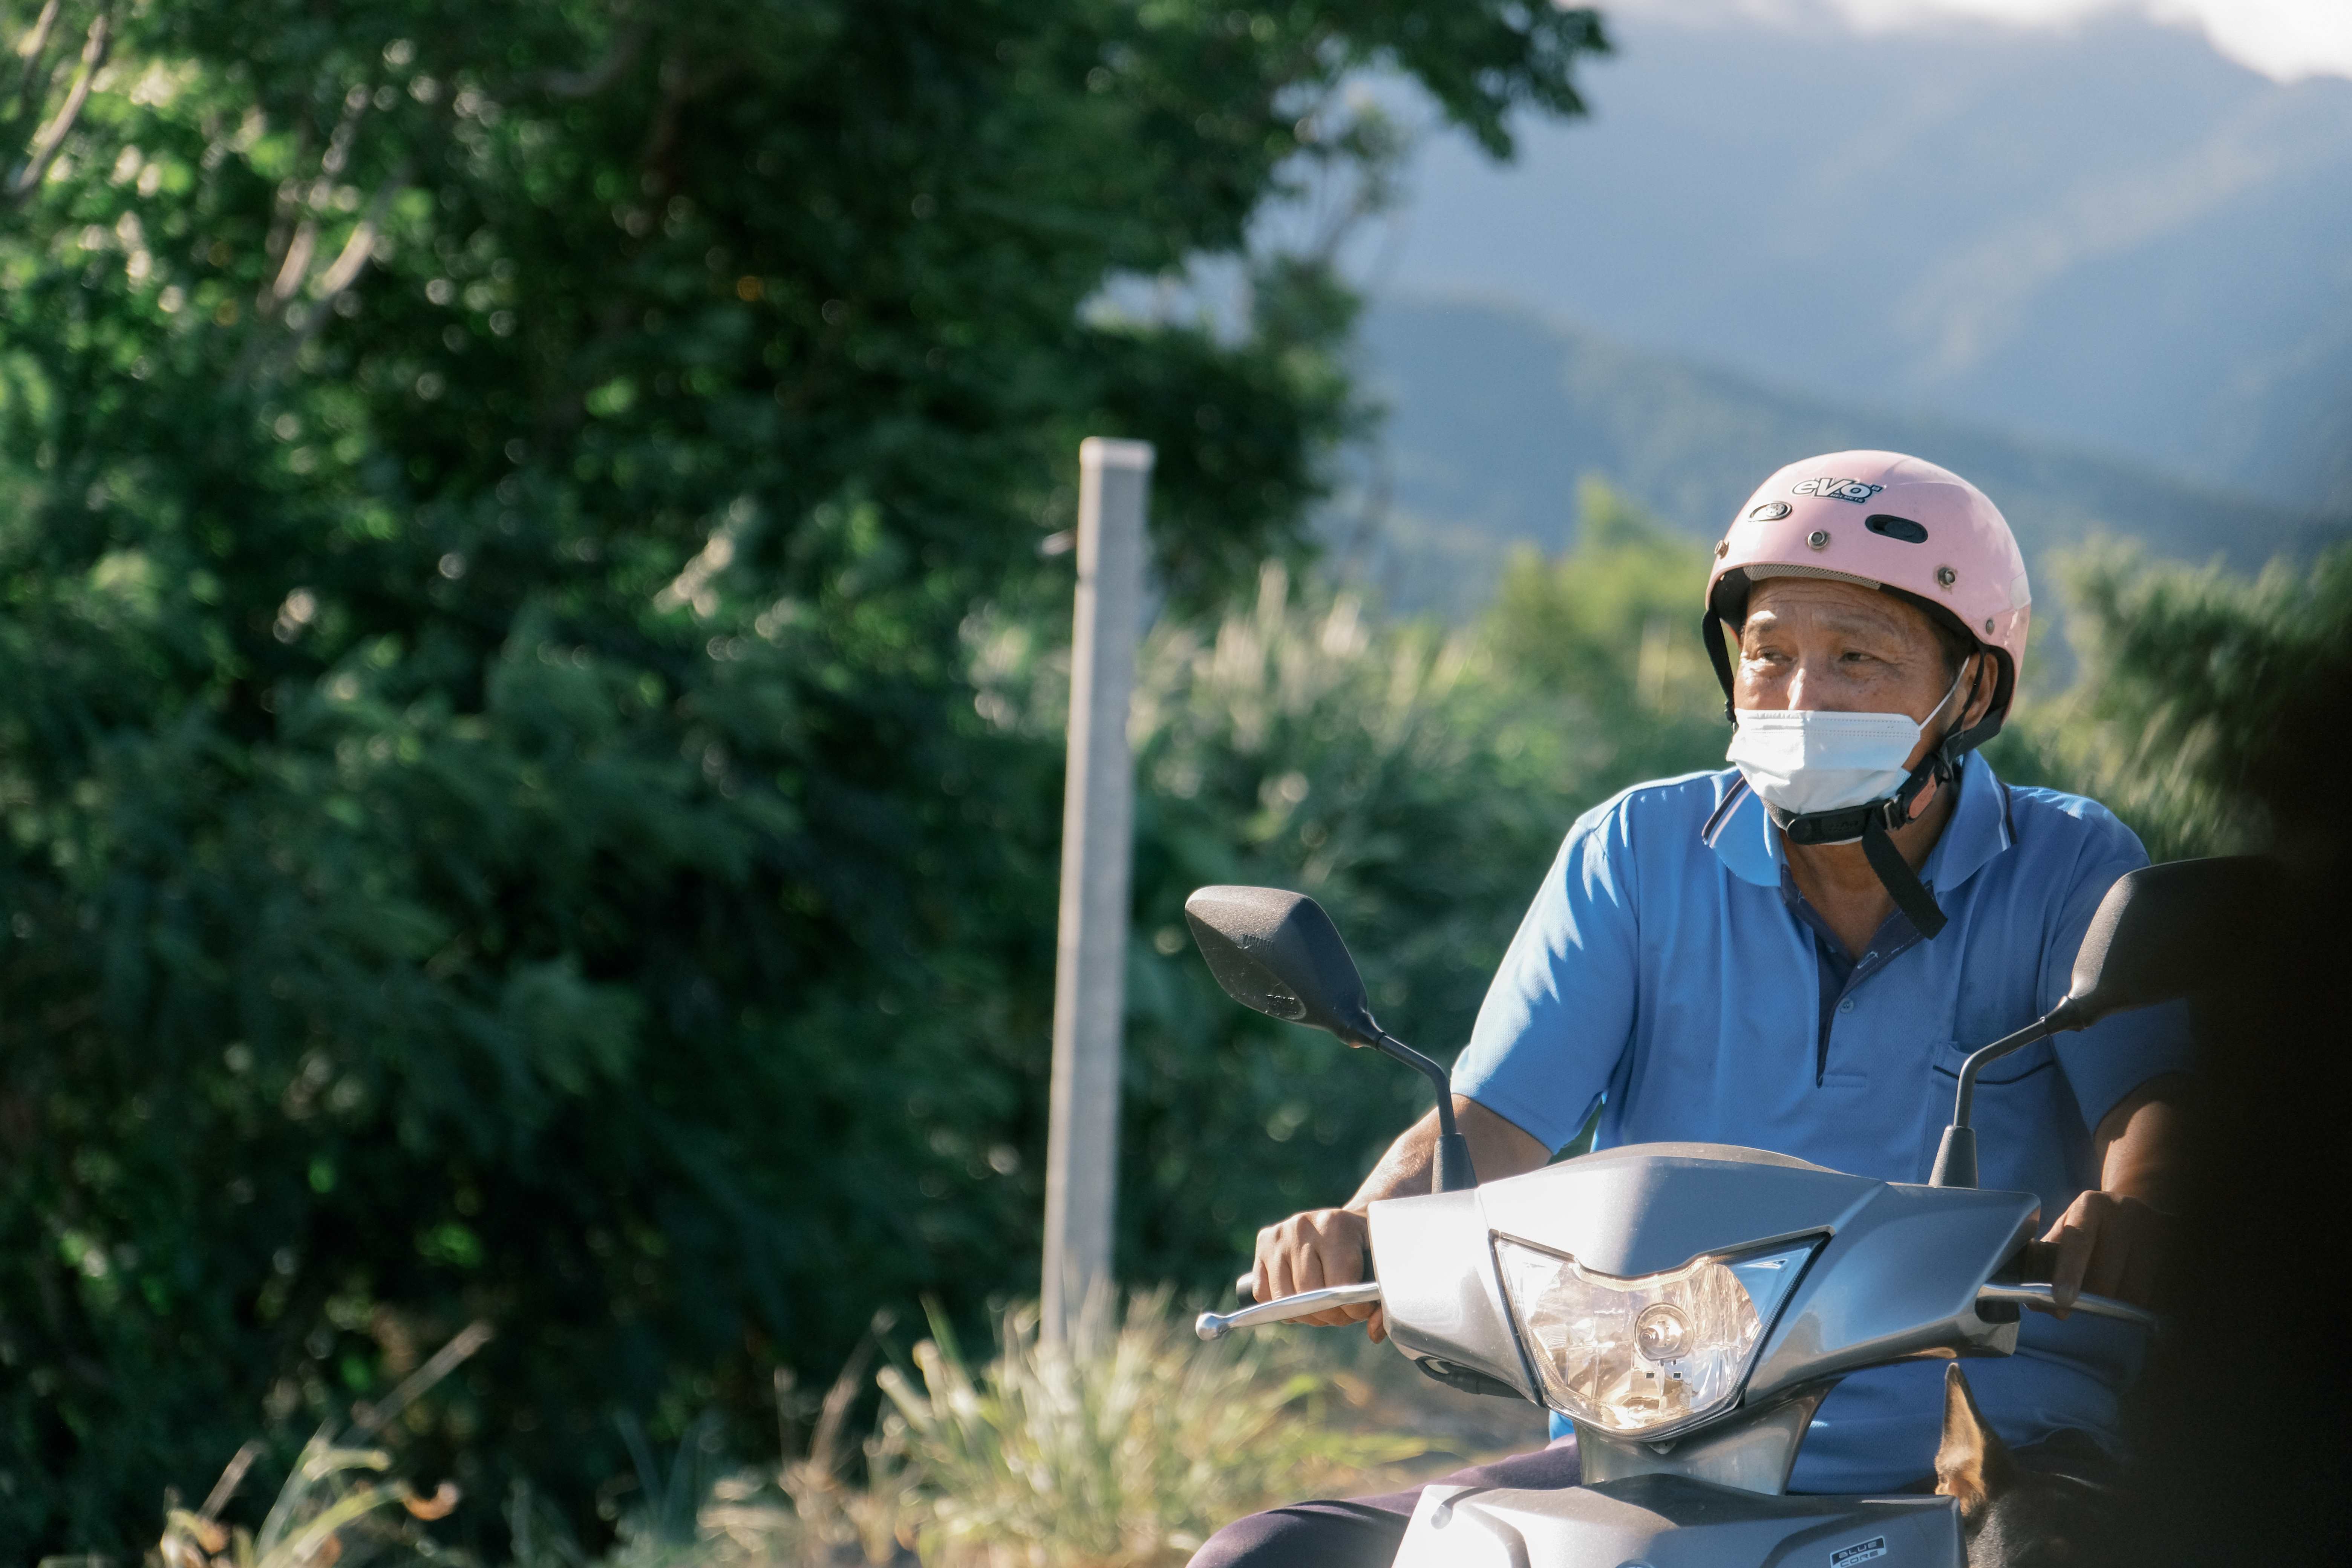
(1809, 760)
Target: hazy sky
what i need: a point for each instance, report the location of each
(2282, 38)
(2082, 223)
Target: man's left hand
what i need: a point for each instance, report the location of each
(2108, 1246)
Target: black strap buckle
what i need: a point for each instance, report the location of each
(1874, 823)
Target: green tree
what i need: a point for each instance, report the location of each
(498, 823)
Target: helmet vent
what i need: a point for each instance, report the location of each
(1895, 527)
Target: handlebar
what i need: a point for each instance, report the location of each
(1283, 1308)
(1287, 1309)
(1305, 1304)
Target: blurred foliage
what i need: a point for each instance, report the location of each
(2208, 713)
(498, 824)
(1610, 630)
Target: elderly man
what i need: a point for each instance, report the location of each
(1796, 952)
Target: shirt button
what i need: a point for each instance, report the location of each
(1846, 1006)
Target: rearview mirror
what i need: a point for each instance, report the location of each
(1278, 953)
(2167, 931)
(2161, 932)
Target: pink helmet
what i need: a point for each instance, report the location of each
(1886, 521)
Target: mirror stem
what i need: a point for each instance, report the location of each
(1955, 1157)
(1452, 1171)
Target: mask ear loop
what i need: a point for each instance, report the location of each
(1996, 707)
(1942, 763)
(1951, 746)
(1967, 674)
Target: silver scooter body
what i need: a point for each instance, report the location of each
(1897, 1271)
(1882, 1270)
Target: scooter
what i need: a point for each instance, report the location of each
(1688, 1306)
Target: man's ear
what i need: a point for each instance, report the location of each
(1984, 683)
(1973, 1465)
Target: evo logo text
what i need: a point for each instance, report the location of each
(1837, 489)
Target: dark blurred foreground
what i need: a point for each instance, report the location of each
(2245, 1417)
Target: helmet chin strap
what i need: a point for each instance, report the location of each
(1875, 823)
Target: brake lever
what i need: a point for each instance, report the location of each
(2023, 1280)
(2045, 1298)
(1283, 1308)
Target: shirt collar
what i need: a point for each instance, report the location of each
(1745, 840)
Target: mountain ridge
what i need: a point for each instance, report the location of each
(1495, 414)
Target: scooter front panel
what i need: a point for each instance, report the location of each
(1672, 1521)
(1900, 1277)
(1436, 1269)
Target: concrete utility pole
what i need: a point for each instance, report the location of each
(1098, 833)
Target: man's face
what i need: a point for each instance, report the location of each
(1839, 647)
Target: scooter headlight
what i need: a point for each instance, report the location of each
(1636, 1356)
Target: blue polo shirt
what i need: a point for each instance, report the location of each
(1669, 973)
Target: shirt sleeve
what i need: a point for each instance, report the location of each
(2123, 1050)
(1560, 1010)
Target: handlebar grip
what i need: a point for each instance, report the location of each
(1246, 1283)
(2034, 1261)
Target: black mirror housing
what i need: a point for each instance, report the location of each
(1279, 953)
(2171, 930)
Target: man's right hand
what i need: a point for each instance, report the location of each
(1329, 1246)
(1310, 1252)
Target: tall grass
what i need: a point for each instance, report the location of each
(821, 1508)
(1123, 1447)
(334, 1508)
